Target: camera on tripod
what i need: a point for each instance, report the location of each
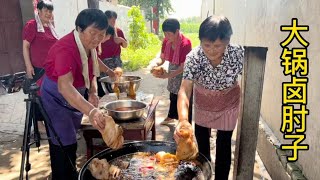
(34, 100)
(29, 87)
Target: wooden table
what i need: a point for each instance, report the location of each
(132, 130)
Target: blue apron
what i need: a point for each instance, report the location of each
(65, 119)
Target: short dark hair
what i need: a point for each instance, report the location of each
(110, 31)
(45, 4)
(215, 27)
(88, 17)
(111, 14)
(170, 25)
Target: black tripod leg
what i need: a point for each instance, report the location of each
(35, 125)
(26, 140)
(49, 125)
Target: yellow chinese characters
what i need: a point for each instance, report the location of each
(294, 94)
(291, 115)
(295, 91)
(294, 32)
(295, 146)
(294, 61)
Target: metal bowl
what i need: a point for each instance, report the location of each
(125, 115)
(123, 83)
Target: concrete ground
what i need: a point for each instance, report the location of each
(12, 115)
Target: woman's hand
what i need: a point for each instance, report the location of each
(165, 75)
(111, 73)
(119, 40)
(118, 71)
(182, 123)
(93, 99)
(30, 72)
(96, 119)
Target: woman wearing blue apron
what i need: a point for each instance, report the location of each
(72, 67)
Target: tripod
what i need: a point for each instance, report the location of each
(31, 102)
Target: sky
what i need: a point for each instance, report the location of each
(186, 8)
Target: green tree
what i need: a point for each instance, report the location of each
(162, 8)
(137, 29)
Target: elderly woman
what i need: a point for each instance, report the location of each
(71, 67)
(38, 37)
(175, 48)
(213, 68)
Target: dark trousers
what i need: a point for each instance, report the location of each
(173, 110)
(60, 164)
(38, 73)
(101, 92)
(112, 63)
(223, 149)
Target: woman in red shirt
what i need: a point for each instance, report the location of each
(72, 67)
(38, 37)
(111, 48)
(175, 48)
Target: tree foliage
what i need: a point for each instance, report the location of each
(143, 46)
(137, 29)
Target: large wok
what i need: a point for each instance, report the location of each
(141, 146)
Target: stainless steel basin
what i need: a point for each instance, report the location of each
(123, 83)
(124, 110)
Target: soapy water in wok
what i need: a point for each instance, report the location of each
(143, 165)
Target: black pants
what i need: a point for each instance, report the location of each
(101, 92)
(173, 110)
(112, 63)
(223, 149)
(60, 164)
(38, 73)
